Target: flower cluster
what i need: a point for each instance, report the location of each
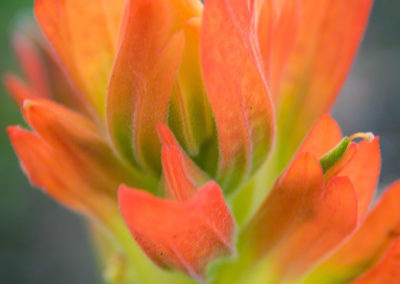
(195, 139)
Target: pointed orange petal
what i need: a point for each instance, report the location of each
(45, 116)
(181, 173)
(387, 271)
(193, 172)
(71, 146)
(181, 235)
(180, 186)
(323, 136)
(236, 86)
(141, 80)
(288, 203)
(363, 171)
(368, 245)
(78, 30)
(332, 218)
(60, 175)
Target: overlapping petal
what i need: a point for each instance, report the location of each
(361, 162)
(141, 81)
(313, 219)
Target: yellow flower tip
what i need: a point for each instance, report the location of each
(115, 269)
(368, 136)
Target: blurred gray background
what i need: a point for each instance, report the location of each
(41, 242)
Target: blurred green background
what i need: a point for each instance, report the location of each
(41, 242)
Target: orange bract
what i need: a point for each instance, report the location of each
(162, 109)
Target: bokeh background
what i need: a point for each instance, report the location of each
(41, 242)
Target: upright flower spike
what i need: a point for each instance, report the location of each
(160, 109)
(236, 87)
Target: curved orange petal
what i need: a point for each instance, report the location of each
(236, 87)
(181, 235)
(368, 245)
(78, 30)
(141, 81)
